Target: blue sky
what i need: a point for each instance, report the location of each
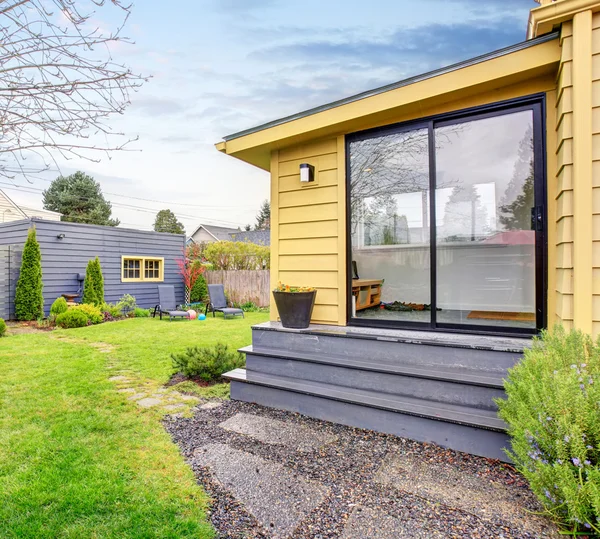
(219, 66)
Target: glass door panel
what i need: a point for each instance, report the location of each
(390, 227)
(485, 244)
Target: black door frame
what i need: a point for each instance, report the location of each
(537, 104)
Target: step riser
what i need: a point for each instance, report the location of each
(435, 390)
(391, 353)
(460, 437)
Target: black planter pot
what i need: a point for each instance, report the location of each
(295, 308)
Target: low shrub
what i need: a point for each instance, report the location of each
(208, 364)
(73, 318)
(552, 413)
(112, 310)
(59, 306)
(138, 312)
(127, 303)
(93, 313)
(2, 327)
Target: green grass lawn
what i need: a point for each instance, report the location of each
(77, 458)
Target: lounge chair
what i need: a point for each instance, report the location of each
(218, 303)
(167, 303)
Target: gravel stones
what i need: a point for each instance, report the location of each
(365, 522)
(211, 405)
(277, 497)
(272, 431)
(355, 499)
(444, 483)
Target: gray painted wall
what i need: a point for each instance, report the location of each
(63, 259)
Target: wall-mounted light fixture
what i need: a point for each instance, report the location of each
(307, 172)
(60, 236)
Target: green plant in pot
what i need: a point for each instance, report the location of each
(295, 305)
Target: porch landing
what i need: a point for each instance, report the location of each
(427, 386)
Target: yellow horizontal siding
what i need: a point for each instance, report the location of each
(596, 173)
(564, 204)
(565, 102)
(564, 280)
(313, 262)
(314, 229)
(309, 226)
(292, 183)
(564, 255)
(307, 214)
(308, 197)
(565, 153)
(311, 246)
(321, 163)
(564, 179)
(306, 151)
(596, 120)
(564, 230)
(319, 279)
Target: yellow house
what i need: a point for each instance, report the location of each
(448, 218)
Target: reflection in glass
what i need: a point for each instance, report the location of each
(389, 203)
(485, 244)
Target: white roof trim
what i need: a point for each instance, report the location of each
(19, 210)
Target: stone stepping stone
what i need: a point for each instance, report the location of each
(273, 431)
(278, 498)
(126, 390)
(365, 522)
(118, 378)
(149, 402)
(136, 397)
(171, 407)
(445, 483)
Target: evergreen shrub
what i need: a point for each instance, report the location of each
(29, 299)
(208, 364)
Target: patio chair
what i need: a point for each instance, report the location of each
(167, 303)
(218, 303)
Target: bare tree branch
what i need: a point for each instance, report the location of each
(58, 82)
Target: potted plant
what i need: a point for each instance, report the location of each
(295, 305)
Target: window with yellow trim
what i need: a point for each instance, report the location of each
(142, 268)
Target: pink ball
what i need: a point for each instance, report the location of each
(192, 314)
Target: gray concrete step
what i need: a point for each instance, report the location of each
(475, 431)
(464, 415)
(451, 385)
(421, 349)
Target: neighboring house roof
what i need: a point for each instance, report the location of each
(11, 211)
(217, 232)
(42, 214)
(260, 237)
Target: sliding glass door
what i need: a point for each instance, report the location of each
(446, 222)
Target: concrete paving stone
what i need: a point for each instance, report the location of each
(211, 405)
(367, 523)
(126, 390)
(118, 378)
(444, 483)
(278, 498)
(272, 431)
(170, 407)
(149, 402)
(188, 398)
(136, 397)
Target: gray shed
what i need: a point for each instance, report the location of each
(133, 261)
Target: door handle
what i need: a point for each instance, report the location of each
(537, 218)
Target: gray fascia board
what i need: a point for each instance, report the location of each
(395, 85)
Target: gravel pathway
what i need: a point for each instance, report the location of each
(278, 475)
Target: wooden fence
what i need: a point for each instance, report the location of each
(243, 285)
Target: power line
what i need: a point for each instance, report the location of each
(29, 189)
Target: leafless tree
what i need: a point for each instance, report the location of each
(59, 83)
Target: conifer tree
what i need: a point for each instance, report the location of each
(98, 282)
(29, 299)
(89, 286)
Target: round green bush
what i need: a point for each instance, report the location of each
(73, 318)
(2, 327)
(554, 423)
(93, 313)
(138, 312)
(59, 306)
